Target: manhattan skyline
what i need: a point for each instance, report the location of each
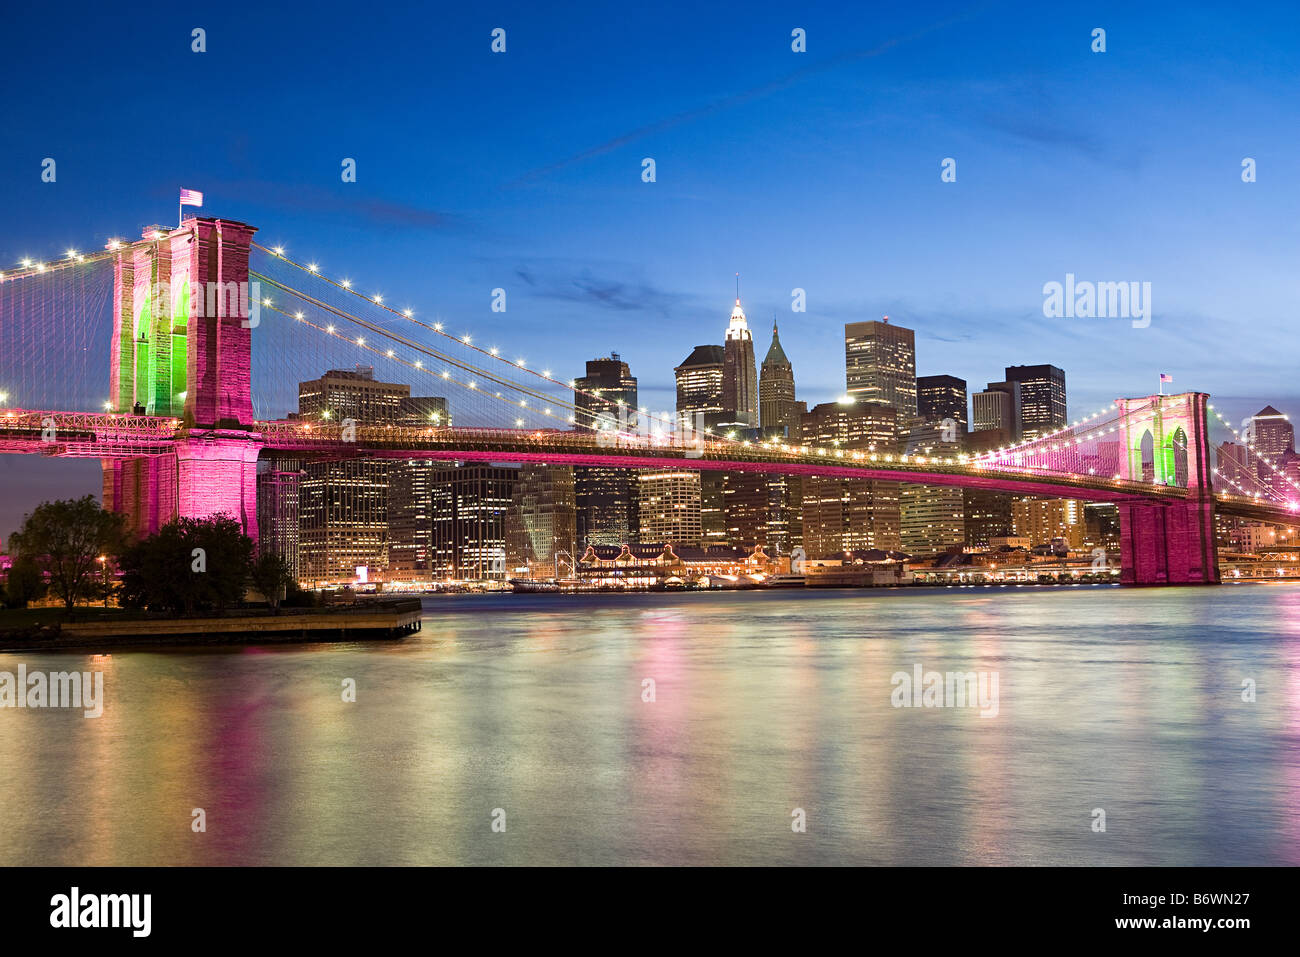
(818, 171)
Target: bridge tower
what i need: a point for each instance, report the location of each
(181, 347)
(1166, 441)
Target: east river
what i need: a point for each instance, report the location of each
(692, 729)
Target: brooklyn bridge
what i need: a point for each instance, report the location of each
(143, 355)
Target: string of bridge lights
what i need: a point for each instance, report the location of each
(35, 267)
(1248, 445)
(418, 365)
(465, 340)
(73, 257)
(401, 340)
(1039, 442)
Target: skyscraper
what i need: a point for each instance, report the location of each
(1272, 434)
(343, 505)
(278, 478)
(449, 520)
(1041, 520)
(757, 507)
(699, 387)
(998, 407)
(541, 530)
(932, 516)
(739, 374)
(410, 518)
(880, 365)
(467, 512)
(701, 405)
(606, 498)
(939, 398)
(343, 519)
(352, 394)
(987, 513)
(610, 380)
(1042, 398)
(778, 411)
(850, 514)
(670, 507)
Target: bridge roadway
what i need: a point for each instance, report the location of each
(583, 448)
(110, 435)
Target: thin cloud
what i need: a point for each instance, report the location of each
(747, 96)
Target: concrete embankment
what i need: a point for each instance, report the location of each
(363, 621)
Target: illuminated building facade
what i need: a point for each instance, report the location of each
(343, 511)
(1042, 398)
(541, 523)
(606, 498)
(670, 507)
(467, 512)
(1041, 520)
(880, 365)
(839, 514)
(932, 517)
(998, 407)
(778, 410)
(940, 398)
(699, 387)
(739, 374)
(343, 519)
(278, 479)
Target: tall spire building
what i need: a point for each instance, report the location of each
(777, 409)
(739, 372)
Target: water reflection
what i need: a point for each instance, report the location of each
(1129, 701)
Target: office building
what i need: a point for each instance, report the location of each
(467, 512)
(850, 514)
(343, 520)
(940, 399)
(997, 407)
(739, 373)
(541, 523)
(410, 518)
(606, 498)
(986, 513)
(699, 388)
(278, 478)
(778, 410)
(1042, 398)
(670, 507)
(1045, 521)
(880, 365)
(931, 517)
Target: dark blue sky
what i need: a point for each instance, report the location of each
(818, 170)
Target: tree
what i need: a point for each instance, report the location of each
(192, 564)
(270, 576)
(25, 583)
(65, 539)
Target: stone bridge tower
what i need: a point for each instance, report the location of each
(1167, 441)
(181, 347)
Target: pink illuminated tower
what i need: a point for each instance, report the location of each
(181, 347)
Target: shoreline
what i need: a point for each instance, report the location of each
(365, 621)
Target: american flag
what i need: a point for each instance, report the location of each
(1166, 378)
(191, 197)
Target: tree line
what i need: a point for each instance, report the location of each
(69, 549)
